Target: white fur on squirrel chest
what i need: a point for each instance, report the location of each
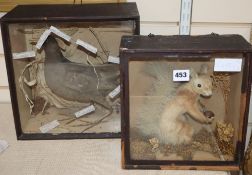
(172, 128)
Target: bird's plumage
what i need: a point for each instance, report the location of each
(75, 81)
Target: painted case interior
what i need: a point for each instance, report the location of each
(64, 78)
(173, 120)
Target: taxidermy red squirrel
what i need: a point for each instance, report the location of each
(169, 118)
(172, 129)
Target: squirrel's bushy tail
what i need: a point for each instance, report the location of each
(162, 88)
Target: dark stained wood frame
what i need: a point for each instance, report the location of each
(76, 13)
(135, 48)
(7, 5)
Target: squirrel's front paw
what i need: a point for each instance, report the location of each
(209, 116)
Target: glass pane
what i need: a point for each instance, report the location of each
(183, 120)
(65, 78)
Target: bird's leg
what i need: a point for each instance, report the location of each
(74, 119)
(92, 124)
(103, 117)
(98, 121)
(43, 110)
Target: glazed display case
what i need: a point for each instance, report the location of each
(185, 101)
(63, 68)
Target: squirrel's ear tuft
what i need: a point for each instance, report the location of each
(193, 74)
(204, 69)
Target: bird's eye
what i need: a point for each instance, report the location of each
(199, 85)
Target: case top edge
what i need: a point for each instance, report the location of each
(185, 43)
(63, 12)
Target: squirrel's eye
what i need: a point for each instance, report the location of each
(199, 85)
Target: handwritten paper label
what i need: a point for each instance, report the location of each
(42, 38)
(21, 55)
(84, 111)
(60, 33)
(115, 92)
(227, 64)
(113, 59)
(181, 75)
(49, 126)
(86, 46)
(3, 145)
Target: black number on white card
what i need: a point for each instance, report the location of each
(180, 74)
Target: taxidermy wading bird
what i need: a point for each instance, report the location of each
(76, 81)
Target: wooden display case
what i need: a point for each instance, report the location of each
(185, 101)
(62, 65)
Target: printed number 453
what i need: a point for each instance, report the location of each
(180, 74)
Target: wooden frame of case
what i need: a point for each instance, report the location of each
(134, 47)
(7, 5)
(76, 13)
